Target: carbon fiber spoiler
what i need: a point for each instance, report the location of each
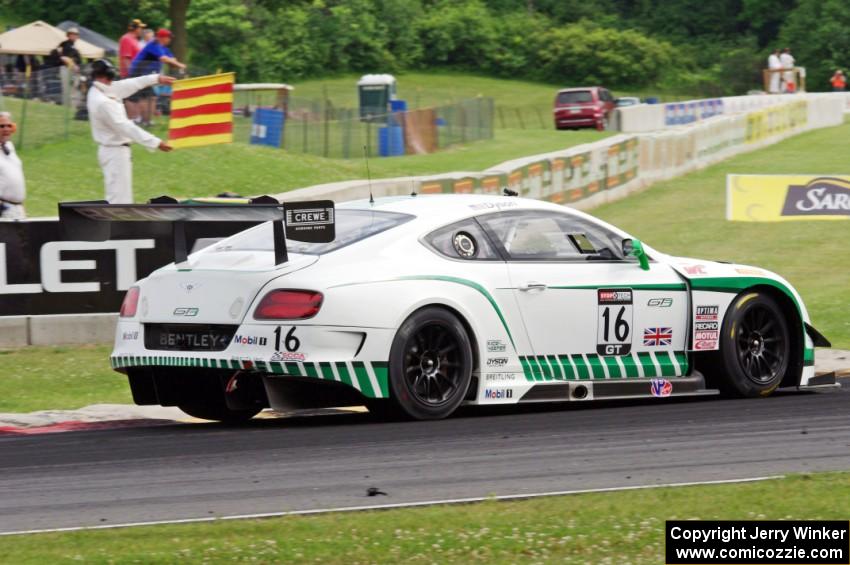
(311, 221)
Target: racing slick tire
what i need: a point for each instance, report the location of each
(755, 347)
(430, 366)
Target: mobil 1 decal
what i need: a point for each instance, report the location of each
(614, 326)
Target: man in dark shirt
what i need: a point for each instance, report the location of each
(66, 53)
(55, 77)
(149, 61)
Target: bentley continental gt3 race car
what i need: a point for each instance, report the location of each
(421, 304)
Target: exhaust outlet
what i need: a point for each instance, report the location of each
(580, 392)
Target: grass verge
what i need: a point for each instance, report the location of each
(686, 217)
(59, 378)
(619, 527)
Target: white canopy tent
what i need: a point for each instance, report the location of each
(40, 38)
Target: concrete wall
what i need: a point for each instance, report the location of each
(645, 118)
(64, 329)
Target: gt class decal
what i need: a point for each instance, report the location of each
(614, 326)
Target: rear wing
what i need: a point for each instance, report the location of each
(311, 221)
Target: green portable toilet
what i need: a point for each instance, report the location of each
(375, 93)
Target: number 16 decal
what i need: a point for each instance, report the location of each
(614, 327)
(291, 342)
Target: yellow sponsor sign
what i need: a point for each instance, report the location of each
(780, 198)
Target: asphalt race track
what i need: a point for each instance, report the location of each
(189, 471)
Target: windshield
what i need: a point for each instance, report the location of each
(350, 226)
(575, 97)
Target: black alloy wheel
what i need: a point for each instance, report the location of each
(430, 364)
(762, 347)
(755, 346)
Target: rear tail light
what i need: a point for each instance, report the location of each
(289, 305)
(131, 301)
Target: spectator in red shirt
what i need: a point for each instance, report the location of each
(838, 81)
(128, 48)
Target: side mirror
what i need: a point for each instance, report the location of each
(634, 248)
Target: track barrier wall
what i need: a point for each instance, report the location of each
(583, 176)
(644, 118)
(587, 175)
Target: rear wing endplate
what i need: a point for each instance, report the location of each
(311, 221)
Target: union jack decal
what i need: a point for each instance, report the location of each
(657, 337)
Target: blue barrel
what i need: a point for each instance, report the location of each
(390, 141)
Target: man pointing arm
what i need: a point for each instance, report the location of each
(114, 132)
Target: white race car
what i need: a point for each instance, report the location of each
(423, 303)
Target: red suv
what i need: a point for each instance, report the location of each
(583, 107)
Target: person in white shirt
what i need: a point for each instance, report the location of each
(787, 60)
(12, 187)
(113, 131)
(774, 64)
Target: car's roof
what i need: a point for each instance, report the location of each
(577, 88)
(439, 209)
(434, 211)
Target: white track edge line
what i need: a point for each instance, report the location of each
(391, 506)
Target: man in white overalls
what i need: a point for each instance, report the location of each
(113, 131)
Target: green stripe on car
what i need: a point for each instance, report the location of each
(808, 357)
(363, 378)
(537, 368)
(359, 374)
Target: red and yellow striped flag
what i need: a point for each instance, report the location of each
(201, 111)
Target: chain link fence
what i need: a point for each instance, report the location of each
(45, 104)
(316, 128)
(48, 105)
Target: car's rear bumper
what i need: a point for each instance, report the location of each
(347, 355)
(577, 121)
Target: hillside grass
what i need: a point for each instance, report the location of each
(426, 89)
(68, 170)
(616, 527)
(686, 217)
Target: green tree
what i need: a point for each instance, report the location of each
(221, 33)
(458, 34)
(818, 32)
(583, 53)
(764, 18)
(109, 17)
